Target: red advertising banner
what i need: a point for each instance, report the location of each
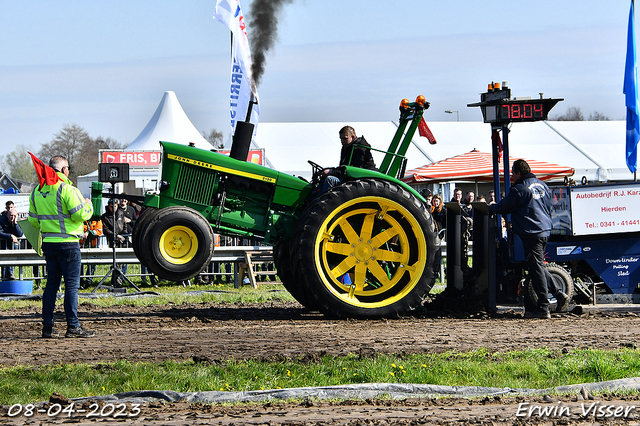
(134, 158)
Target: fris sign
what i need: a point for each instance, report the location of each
(133, 158)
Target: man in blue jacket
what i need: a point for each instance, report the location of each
(10, 231)
(529, 202)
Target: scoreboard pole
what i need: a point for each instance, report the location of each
(505, 157)
(500, 110)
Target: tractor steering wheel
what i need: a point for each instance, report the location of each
(315, 171)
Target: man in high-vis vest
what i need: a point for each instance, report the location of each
(58, 209)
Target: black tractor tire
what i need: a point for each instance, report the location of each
(560, 276)
(282, 259)
(365, 249)
(177, 243)
(136, 240)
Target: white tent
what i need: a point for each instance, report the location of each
(595, 149)
(169, 123)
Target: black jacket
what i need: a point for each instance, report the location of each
(440, 219)
(529, 201)
(7, 229)
(357, 156)
(129, 213)
(108, 228)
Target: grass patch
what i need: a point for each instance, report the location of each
(538, 368)
(171, 293)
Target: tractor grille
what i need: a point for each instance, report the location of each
(195, 184)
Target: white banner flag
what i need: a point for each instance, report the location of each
(229, 13)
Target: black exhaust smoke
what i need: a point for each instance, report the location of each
(264, 24)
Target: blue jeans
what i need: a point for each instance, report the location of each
(8, 271)
(67, 264)
(328, 183)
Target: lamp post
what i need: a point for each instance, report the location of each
(457, 114)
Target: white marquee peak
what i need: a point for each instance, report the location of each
(169, 123)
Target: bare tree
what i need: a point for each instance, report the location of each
(19, 164)
(215, 138)
(80, 150)
(598, 116)
(89, 157)
(572, 114)
(68, 142)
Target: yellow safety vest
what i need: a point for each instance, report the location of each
(59, 211)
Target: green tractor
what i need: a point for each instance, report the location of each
(362, 249)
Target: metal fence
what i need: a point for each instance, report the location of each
(31, 266)
(28, 265)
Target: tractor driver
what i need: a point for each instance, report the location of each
(355, 152)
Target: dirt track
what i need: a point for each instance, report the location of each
(274, 331)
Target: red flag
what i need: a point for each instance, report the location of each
(424, 131)
(46, 174)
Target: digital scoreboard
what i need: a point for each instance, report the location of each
(498, 107)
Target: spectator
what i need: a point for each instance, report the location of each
(428, 196)
(130, 216)
(7, 206)
(439, 213)
(481, 199)
(466, 204)
(90, 239)
(492, 197)
(457, 196)
(439, 216)
(9, 233)
(120, 237)
(108, 226)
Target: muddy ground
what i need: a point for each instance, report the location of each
(272, 331)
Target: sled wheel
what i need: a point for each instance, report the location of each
(180, 243)
(283, 265)
(136, 240)
(560, 277)
(365, 249)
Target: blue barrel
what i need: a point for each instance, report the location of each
(16, 287)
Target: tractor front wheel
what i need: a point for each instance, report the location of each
(177, 242)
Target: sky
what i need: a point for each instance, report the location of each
(105, 65)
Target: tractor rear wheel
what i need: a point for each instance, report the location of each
(365, 249)
(178, 242)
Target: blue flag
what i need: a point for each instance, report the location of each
(630, 91)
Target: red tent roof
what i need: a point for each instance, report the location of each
(478, 166)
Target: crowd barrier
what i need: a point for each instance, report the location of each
(243, 257)
(22, 260)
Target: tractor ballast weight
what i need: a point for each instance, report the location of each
(362, 249)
